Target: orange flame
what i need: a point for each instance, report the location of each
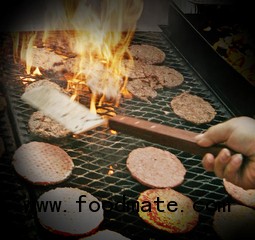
(37, 72)
(111, 171)
(99, 35)
(101, 41)
(24, 52)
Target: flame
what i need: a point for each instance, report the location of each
(99, 35)
(101, 41)
(24, 52)
(113, 132)
(111, 171)
(37, 72)
(93, 103)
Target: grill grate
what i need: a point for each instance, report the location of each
(95, 151)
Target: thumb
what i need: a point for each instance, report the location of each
(215, 134)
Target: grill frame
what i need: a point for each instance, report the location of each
(96, 150)
(219, 75)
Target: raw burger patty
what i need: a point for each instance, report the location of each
(155, 168)
(42, 163)
(238, 223)
(70, 220)
(147, 53)
(246, 197)
(45, 127)
(105, 235)
(183, 220)
(193, 108)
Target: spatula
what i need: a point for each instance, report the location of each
(77, 118)
(167, 136)
(61, 108)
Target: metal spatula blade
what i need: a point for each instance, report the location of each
(61, 108)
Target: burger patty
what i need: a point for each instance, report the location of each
(45, 127)
(182, 220)
(155, 168)
(47, 60)
(145, 79)
(167, 77)
(246, 197)
(135, 69)
(44, 82)
(141, 88)
(72, 219)
(193, 108)
(42, 163)
(147, 53)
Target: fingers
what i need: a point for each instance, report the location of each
(221, 162)
(224, 165)
(231, 172)
(208, 162)
(215, 134)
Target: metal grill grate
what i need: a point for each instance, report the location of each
(95, 151)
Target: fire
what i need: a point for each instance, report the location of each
(36, 72)
(101, 41)
(26, 51)
(113, 132)
(111, 171)
(99, 36)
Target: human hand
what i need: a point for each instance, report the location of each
(239, 135)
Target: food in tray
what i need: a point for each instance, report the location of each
(155, 167)
(236, 46)
(79, 213)
(238, 223)
(173, 213)
(246, 197)
(42, 163)
(45, 127)
(193, 108)
(105, 235)
(147, 53)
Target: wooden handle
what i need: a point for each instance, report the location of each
(161, 134)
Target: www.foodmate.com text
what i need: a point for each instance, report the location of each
(132, 205)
